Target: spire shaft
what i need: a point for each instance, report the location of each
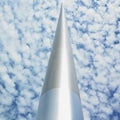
(60, 99)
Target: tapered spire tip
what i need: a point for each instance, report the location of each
(60, 82)
(62, 6)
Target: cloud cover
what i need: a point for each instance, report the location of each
(27, 30)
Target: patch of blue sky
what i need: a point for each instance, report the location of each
(80, 46)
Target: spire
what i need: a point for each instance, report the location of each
(61, 71)
(60, 98)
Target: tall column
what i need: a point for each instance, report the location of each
(60, 98)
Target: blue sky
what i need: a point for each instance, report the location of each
(27, 30)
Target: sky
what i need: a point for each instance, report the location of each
(27, 30)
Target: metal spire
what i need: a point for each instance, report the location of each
(60, 99)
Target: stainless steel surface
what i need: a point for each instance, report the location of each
(60, 106)
(60, 99)
(61, 71)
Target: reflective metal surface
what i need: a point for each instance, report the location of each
(60, 99)
(61, 71)
(57, 105)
